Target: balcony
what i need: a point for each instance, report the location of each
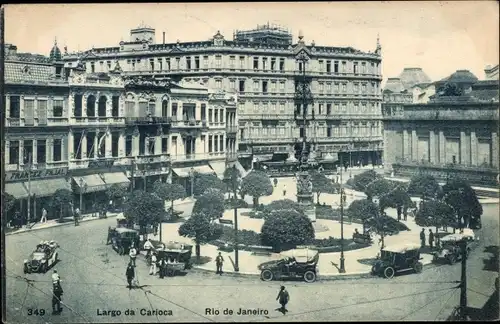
(217, 125)
(152, 158)
(188, 123)
(151, 120)
(56, 164)
(456, 111)
(348, 116)
(97, 121)
(231, 156)
(231, 129)
(276, 116)
(198, 156)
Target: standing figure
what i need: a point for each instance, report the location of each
(422, 238)
(152, 269)
(130, 274)
(283, 298)
(77, 216)
(133, 254)
(219, 260)
(57, 293)
(44, 216)
(284, 190)
(431, 239)
(163, 266)
(275, 182)
(405, 213)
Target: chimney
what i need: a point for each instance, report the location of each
(163, 38)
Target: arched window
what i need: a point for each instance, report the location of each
(91, 106)
(102, 106)
(151, 107)
(164, 108)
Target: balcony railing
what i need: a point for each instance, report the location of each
(231, 129)
(153, 158)
(153, 120)
(81, 120)
(198, 156)
(188, 123)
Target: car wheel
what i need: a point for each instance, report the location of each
(170, 272)
(309, 276)
(451, 259)
(389, 272)
(373, 271)
(418, 267)
(266, 275)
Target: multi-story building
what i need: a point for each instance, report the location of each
(68, 128)
(448, 136)
(260, 65)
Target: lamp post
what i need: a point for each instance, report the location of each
(233, 179)
(342, 195)
(28, 166)
(81, 193)
(191, 174)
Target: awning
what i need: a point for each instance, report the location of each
(260, 158)
(91, 183)
(17, 190)
(219, 168)
(47, 187)
(186, 172)
(115, 178)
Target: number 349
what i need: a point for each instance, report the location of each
(36, 312)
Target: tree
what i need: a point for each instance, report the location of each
(116, 192)
(378, 188)
(169, 192)
(283, 204)
(424, 186)
(232, 180)
(202, 182)
(61, 201)
(8, 203)
(450, 90)
(286, 228)
(211, 204)
(362, 180)
(435, 213)
(200, 228)
(144, 209)
(396, 198)
(364, 210)
(463, 199)
(321, 184)
(256, 184)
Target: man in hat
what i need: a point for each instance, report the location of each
(130, 274)
(422, 238)
(219, 260)
(283, 298)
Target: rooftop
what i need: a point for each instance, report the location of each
(413, 76)
(461, 76)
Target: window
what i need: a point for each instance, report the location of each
(336, 67)
(344, 107)
(363, 88)
(91, 106)
(152, 64)
(336, 87)
(151, 110)
(218, 61)
(264, 63)
(282, 86)
(300, 66)
(174, 110)
(210, 144)
(218, 84)
(221, 143)
(57, 108)
(282, 65)
(372, 88)
(321, 87)
(273, 107)
(321, 65)
(114, 144)
(92, 67)
(256, 86)
(164, 145)
(329, 87)
(356, 108)
(273, 64)
(29, 112)
(128, 145)
(216, 143)
(232, 84)
(301, 131)
(167, 64)
(273, 86)
(355, 67)
(28, 151)
(329, 131)
(133, 65)
(115, 106)
(216, 115)
(242, 85)
(151, 145)
(15, 107)
(188, 63)
(242, 62)
(320, 109)
(42, 112)
(255, 63)
(57, 150)
(142, 144)
(344, 67)
(210, 116)
(101, 106)
(196, 62)
(231, 62)
(264, 86)
(328, 109)
(203, 112)
(344, 87)
(14, 152)
(177, 63)
(41, 151)
(160, 64)
(282, 107)
(255, 106)
(356, 87)
(363, 68)
(328, 66)
(205, 62)
(221, 115)
(78, 105)
(265, 107)
(108, 63)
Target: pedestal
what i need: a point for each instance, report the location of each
(305, 196)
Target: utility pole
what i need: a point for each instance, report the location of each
(463, 281)
(234, 178)
(342, 195)
(29, 190)
(132, 185)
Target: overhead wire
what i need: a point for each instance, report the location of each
(444, 305)
(427, 304)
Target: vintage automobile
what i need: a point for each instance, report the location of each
(178, 256)
(122, 239)
(449, 250)
(396, 258)
(42, 258)
(297, 263)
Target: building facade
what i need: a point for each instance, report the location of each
(67, 128)
(260, 66)
(449, 136)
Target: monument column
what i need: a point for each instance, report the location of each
(406, 145)
(442, 147)
(414, 145)
(432, 146)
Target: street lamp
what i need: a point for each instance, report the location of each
(81, 193)
(191, 173)
(233, 179)
(342, 195)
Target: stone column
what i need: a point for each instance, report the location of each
(96, 145)
(494, 149)
(406, 145)
(223, 148)
(49, 149)
(414, 145)
(442, 148)
(121, 144)
(158, 144)
(83, 146)
(108, 145)
(463, 149)
(71, 144)
(84, 105)
(135, 144)
(473, 148)
(432, 146)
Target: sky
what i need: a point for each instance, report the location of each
(439, 37)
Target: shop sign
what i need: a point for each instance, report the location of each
(97, 164)
(36, 174)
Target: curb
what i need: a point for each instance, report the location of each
(56, 225)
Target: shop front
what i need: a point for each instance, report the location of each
(184, 175)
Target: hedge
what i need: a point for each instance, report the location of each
(240, 203)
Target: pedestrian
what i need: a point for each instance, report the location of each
(405, 213)
(76, 216)
(283, 298)
(44, 216)
(399, 212)
(57, 293)
(431, 239)
(422, 238)
(110, 236)
(219, 260)
(110, 206)
(163, 265)
(284, 190)
(275, 182)
(17, 219)
(130, 274)
(133, 254)
(152, 269)
(56, 280)
(148, 247)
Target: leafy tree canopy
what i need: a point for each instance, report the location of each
(378, 188)
(169, 191)
(283, 204)
(257, 184)
(8, 202)
(398, 197)
(451, 90)
(362, 180)
(116, 191)
(202, 182)
(144, 208)
(287, 228)
(463, 199)
(61, 197)
(435, 213)
(210, 204)
(232, 178)
(363, 209)
(321, 184)
(424, 185)
(199, 228)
